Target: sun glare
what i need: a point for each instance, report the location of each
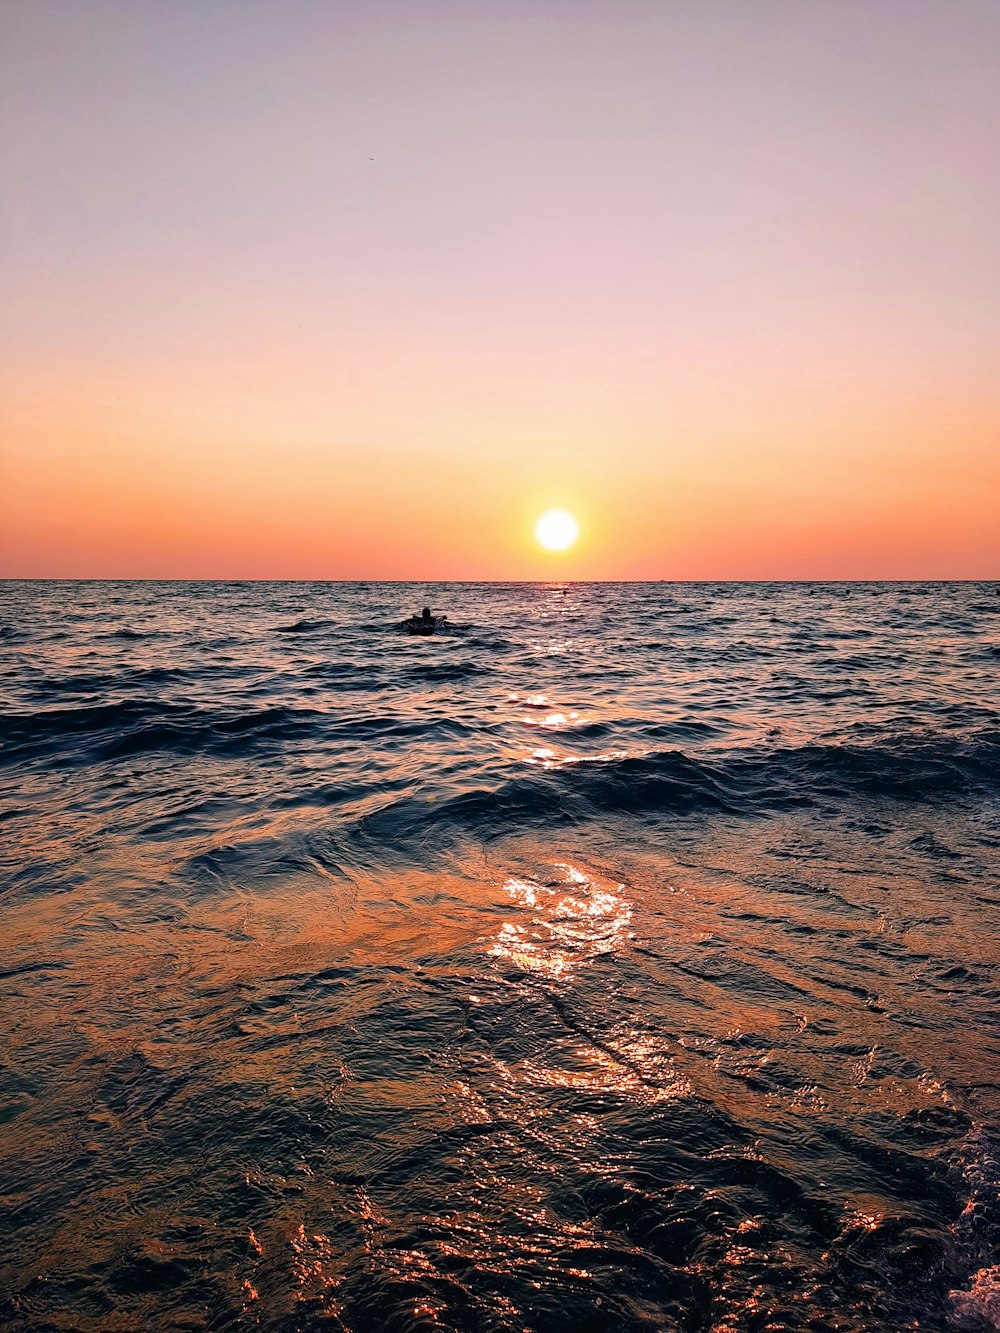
(557, 530)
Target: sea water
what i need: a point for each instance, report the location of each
(623, 957)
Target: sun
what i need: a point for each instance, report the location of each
(557, 530)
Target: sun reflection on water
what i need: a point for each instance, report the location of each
(545, 757)
(561, 924)
(555, 718)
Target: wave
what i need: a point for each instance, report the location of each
(669, 783)
(102, 682)
(923, 768)
(445, 672)
(129, 726)
(303, 627)
(126, 727)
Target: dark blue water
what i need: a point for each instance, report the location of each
(625, 958)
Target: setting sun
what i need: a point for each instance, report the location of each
(557, 530)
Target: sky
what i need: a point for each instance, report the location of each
(316, 289)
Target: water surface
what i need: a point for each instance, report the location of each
(623, 959)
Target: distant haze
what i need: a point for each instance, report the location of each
(318, 289)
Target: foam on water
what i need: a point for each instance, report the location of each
(624, 959)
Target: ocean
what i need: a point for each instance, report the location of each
(623, 957)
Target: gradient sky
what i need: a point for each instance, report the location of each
(336, 290)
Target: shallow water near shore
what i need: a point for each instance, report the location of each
(622, 958)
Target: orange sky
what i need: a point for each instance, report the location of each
(301, 292)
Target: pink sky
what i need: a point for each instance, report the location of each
(356, 290)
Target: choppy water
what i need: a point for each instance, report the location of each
(625, 959)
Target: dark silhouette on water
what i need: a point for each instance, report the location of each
(425, 623)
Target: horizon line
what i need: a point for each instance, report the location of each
(215, 578)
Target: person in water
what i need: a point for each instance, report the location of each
(425, 623)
